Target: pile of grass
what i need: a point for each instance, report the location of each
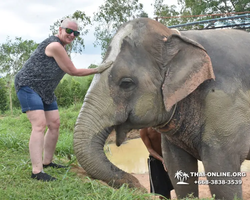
(15, 166)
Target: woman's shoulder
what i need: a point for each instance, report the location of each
(47, 41)
(52, 38)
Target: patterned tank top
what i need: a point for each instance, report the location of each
(41, 73)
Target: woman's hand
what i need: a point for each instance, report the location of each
(104, 66)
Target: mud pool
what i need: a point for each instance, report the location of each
(132, 157)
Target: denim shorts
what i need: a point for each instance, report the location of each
(30, 100)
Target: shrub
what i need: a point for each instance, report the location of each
(63, 94)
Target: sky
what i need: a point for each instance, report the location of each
(31, 20)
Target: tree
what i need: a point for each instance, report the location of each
(3, 95)
(112, 14)
(77, 45)
(12, 57)
(197, 7)
(208, 9)
(164, 10)
(197, 10)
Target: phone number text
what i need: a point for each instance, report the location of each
(218, 182)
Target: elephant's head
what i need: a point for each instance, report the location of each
(153, 68)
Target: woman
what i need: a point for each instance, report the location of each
(35, 84)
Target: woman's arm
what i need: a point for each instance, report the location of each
(56, 50)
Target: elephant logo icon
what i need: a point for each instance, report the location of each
(182, 177)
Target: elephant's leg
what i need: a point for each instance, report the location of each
(227, 184)
(175, 160)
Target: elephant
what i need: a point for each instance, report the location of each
(191, 86)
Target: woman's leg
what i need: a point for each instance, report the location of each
(38, 122)
(51, 137)
(33, 105)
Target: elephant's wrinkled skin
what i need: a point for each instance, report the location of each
(162, 79)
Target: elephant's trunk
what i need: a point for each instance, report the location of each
(91, 131)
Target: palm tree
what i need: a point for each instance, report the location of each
(181, 176)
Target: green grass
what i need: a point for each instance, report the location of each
(15, 166)
(15, 171)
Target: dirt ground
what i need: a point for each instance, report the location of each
(204, 191)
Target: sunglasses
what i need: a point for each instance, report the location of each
(69, 31)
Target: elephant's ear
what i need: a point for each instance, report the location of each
(187, 66)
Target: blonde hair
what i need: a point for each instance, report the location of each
(64, 22)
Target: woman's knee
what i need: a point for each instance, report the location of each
(37, 120)
(39, 127)
(54, 124)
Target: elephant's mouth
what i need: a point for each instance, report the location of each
(123, 126)
(129, 123)
(121, 134)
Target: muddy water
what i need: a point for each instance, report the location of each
(132, 157)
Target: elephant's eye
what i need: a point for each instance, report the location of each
(127, 83)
